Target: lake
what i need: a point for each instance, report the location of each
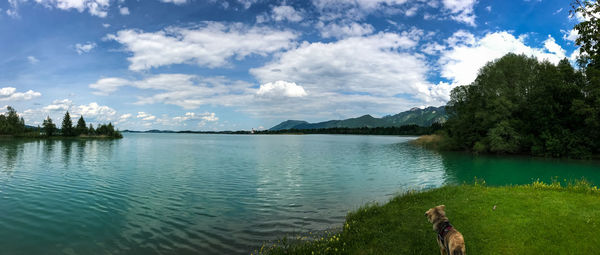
(220, 194)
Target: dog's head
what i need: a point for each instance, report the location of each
(435, 213)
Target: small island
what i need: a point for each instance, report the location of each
(12, 125)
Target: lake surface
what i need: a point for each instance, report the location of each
(219, 194)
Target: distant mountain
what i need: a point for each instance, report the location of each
(289, 124)
(415, 116)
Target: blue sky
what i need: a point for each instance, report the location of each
(242, 64)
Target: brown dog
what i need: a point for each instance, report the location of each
(451, 241)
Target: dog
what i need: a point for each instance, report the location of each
(451, 241)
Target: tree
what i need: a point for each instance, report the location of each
(81, 128)
(589, 32)
(49, 127)
(67, 125)
(91, 130)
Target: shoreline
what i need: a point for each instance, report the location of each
(523, 211)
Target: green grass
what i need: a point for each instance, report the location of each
(529, 219)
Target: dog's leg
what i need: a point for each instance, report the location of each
(442, 248)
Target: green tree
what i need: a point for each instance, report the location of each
(49, 127)
(91, 130)
(589, 32)
(67, 125)
(81, 128)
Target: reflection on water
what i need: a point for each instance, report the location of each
(217, 194)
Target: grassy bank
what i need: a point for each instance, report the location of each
(530, 219)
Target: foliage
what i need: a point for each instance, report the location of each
(493, 220)
(11, 124)
(400, 130)
(519, 105)
(49, 127)
(589, 31)
(81, 128)
(67, 126)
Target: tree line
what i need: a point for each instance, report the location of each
(519, 105)
(12, 124)
(400, 130)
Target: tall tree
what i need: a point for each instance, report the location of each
(49, 127)
(91, 130)
(589, 31)
(81, 128)
(67, 125)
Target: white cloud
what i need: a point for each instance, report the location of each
(466, 54)
(204, 117)
(124, 117)
(106, 25)
(187, 91)
(343, 30)
(94, 7)
(281, 88)
(145, 116)
(84, 48)
(124, 10)
(32, 59)
(286, 12)
(59, 105)
(106, 86)
(353, 9)
(570, 35)
(212, 44)
(461, 10)
(174, 1)
(11, 94)
(92, 112)
(377, 64)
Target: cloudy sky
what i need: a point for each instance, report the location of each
(242, 64)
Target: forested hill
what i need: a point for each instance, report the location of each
(416, 116)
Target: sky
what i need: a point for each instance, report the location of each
(244, 64)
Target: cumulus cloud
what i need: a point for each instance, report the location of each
(211, 44)
(106, 86)
(379, 64)
(59, 105)
(353, 9)
(145, 116)
(123, 118)
(97, 8)
(124, 10)
(187, 91)
(461, 10)
(204, 117)
(11, 94)
(570, 35)
(281, 89)
(466, 54)
(344, 29)
(92, 112)
(286, 12)
(84, 48)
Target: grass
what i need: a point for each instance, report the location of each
(434, 141)
(537, 218)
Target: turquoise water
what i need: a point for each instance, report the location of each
(219, 194)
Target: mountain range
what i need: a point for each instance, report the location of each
(415, 116)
